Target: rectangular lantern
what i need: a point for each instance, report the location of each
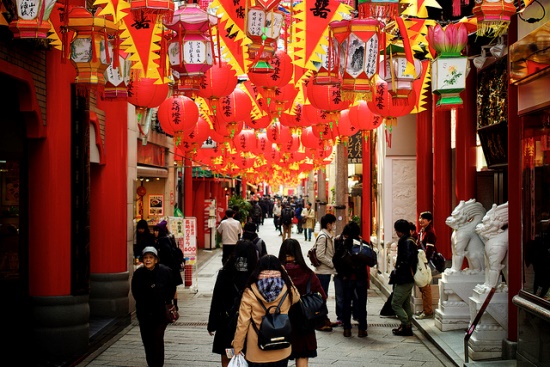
(32, 18)
(449, 79)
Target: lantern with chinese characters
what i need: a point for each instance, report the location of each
(190, 52)
(193, 139)
(358, 50)
(449, 69)
(90, 45)
(493, 16)
(234, 107)
(327, 98)
(328, 71)
(178, 115)
(263, 26)
(32, 18)
(219, 81)
(382, 104)
(399, 80)
(280, 75)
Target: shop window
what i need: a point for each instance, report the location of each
(536, 205)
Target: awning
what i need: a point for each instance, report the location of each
(144, 171)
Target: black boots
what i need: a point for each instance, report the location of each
(403, 330)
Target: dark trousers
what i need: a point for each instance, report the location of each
(152, 335)
(355, 290)
(227, 250)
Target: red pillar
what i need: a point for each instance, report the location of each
(465, 152)
(187, 187)
(243, 188)
(50, 187)
(366, 199)
(442, 192)
(108, 195)
(424, 160)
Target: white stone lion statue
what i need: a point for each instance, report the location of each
(464, 240)
(493, 230)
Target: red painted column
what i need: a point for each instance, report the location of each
(424, 159)
(243, 188)
(187, 187)
(465, 152)
(366, 198)
(515, 194)
(108, 204)
(50, 187)
(442, 202)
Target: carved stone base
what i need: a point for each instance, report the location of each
(455, 289)
(492, 329)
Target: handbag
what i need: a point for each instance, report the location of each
(312, 306)
(172, 314)
(423, 274)
(365, 253)
(275, 330)
(438, 262)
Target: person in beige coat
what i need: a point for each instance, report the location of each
(309, 214)
(268, 283)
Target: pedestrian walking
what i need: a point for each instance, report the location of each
(304, 341)
(266, 287)
(230, 230)
(153, 288)
(226, 296)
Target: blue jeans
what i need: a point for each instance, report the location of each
(307, 233)
(339, 295)
(355, 290)
(325, 281)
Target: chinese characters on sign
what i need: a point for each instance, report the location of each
(355, 151)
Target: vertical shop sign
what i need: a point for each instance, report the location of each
(190, 240)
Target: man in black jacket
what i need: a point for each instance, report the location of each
(403, 277)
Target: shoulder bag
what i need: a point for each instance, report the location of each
(312, 254)
(313, 307)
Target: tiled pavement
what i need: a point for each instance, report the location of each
(189, 344)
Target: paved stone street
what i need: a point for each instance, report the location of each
(189, 344)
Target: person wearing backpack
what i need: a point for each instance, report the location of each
(352, 275)
(304, 341)
(165, 249)
(403, 277)
(249, 233)
(226, 297)
(286, 220)
(268, 287)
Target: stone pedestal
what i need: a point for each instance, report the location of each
(492, 329)
(455, 290)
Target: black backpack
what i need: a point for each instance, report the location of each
(275, 329)
(286, 216)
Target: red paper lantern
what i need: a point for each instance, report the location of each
(193, 139)
(278, 134)
(345, 128)
(384, 104)
(228, 131)
(362, 117)
(290, 145)
(178, 115)
(245, 141)
(326, 97)
(310, 139)
(234, 107)
(260, 123)
(219, 81)
(143, 92)
(279, 77)
(263, 144)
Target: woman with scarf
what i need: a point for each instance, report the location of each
(304, 341)
(268, 284)
(226, 297)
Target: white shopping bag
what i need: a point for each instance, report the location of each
(238, 361)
